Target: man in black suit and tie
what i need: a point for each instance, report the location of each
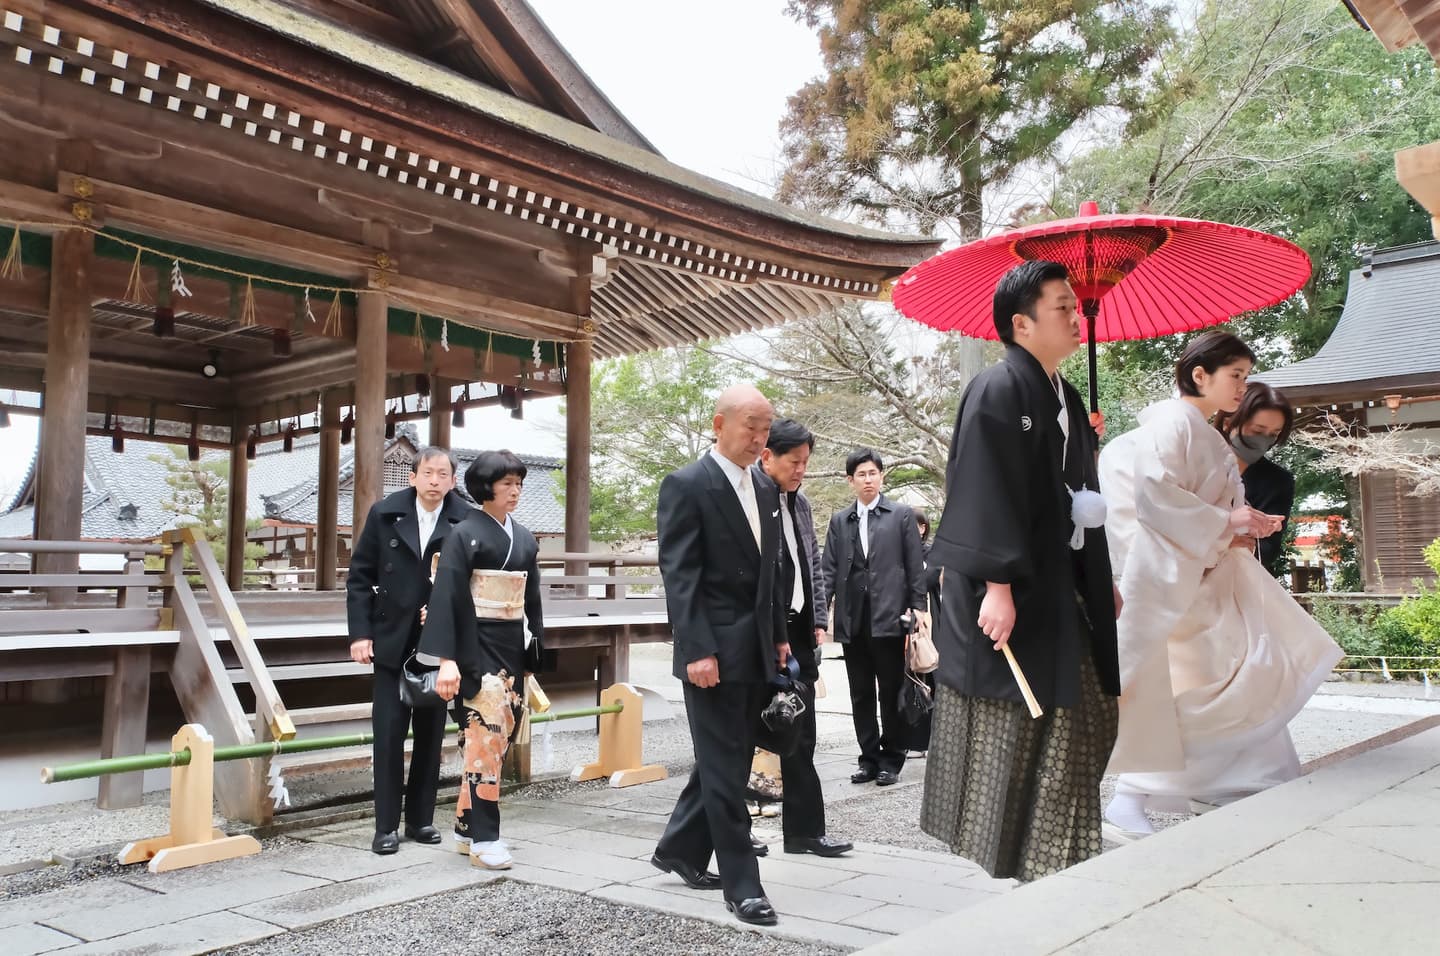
(875, 572)
(388, 585)
(720, 540)
(801, 591)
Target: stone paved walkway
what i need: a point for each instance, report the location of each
(589, 840)
(1343, 861)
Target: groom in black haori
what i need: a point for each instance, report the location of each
(1020, 795)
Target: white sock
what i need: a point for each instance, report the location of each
(1127, 811)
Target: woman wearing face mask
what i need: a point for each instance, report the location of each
(1261, 423)
(1215, 656)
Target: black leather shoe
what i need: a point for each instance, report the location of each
(427, 835)
(887, 778)
(820, 846)
(695, 879)
(385, 843)
(760, 849)
(756, 910)
(862, 775)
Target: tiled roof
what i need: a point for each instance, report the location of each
(125, 492)
(1389, 330)
(540, 506)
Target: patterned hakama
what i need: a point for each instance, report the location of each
(1019, 796)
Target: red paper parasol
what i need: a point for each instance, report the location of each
(1156, 275)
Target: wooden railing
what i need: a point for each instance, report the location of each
(64, 625)
(568, 575)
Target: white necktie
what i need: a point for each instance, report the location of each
(865, 530)
(427, 527)
(749, 504)
(797, 593)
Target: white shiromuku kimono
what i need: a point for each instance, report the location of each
(1215, 656)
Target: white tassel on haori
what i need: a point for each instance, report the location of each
(1087, 510)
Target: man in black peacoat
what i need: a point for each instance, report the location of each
(388, 584)
(719, 536)
(873, 585)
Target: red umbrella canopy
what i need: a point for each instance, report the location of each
(1156, 275)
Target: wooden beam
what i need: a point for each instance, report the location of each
(369, 407)
(61, 478)
(577, 451)
(440, 411)
(237, 500)
(127, 706)
(328, 503)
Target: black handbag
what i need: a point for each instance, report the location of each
(916, 699)
(417, 685)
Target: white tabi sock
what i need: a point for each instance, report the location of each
(1127, 811)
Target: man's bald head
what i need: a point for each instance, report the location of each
(742, 423)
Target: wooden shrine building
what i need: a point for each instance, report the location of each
(1380, 369)
(365, 202)
(224, 223)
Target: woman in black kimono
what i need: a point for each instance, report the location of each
(1261, 423)
(487, 585)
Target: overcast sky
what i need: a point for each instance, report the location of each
(706, 83)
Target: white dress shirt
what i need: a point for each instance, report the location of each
(864, 512)
(797, 593)
(426, 521)
(744, 487)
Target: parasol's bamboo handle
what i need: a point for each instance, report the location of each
(1035, 709)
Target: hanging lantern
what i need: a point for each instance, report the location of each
(252, 444)
(193, 447)
(518, 411)
(117, 439)
(280, 342)
(289, 442)
(422, 385)
(164, 324)
(390, 424)
(347, 427)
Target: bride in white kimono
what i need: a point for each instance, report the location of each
(1215, 656)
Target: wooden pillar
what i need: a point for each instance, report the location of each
(236, 501)
(577, 449)
(440, 412)
(127, 705)
(327, 520)
(61, 477)
(370, 322)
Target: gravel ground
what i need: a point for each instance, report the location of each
(520, 920)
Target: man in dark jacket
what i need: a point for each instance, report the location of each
(875, 574)
(719, 537)
(801, 592)
(388, 585)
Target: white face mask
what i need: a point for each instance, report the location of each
(1251, 448)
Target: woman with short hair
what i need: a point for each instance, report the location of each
(487, 587)
(1263, 422)
(1215, 656)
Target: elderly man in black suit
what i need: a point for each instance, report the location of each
(720, 540)
(875, 573)
(387, 587)
(802, 591)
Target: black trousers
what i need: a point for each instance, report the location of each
(802, 800)
(710, 816)
(871, 664)
(392, 720)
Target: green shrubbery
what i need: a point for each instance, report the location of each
(1410, 629)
